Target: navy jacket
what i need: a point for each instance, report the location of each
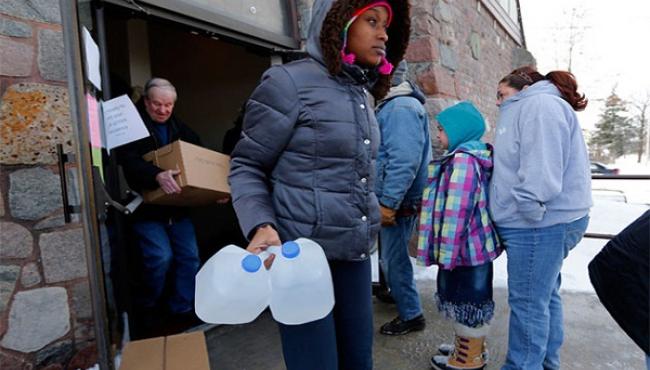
(619, 274)
(306, 159)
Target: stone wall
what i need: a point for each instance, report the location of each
(45, 308)
(459, 51)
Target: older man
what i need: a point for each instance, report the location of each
(165, 233)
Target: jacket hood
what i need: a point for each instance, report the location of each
(462, 123)
(477, 149)
(406, 88)
(399, 74)
(324, 41)
(538, 88)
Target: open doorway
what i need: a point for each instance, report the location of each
(213, 77)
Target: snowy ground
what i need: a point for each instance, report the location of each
(628, 165)
(635, 191)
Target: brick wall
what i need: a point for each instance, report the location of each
(459, 52)
(45, 308)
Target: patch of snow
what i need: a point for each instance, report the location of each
(628, 165)
(610, 217)
(635, 191)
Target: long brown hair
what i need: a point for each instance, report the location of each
(565, 82)
(568, 86)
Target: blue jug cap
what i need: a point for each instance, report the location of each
(290, 249)
(251, 263)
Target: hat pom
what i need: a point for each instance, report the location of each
(385, 67)
(348, 58)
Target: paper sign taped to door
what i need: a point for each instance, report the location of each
(94, 123)
(122, 123)
(92, 59)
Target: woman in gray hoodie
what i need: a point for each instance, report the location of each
(540, 195)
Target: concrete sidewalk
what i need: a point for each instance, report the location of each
(593, 341)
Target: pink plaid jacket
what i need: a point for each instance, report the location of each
(455, 227)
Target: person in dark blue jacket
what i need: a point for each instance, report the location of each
(404, 154)
(305, 166)
(620, 274)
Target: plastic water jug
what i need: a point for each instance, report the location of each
(301, 283)
(232, 287)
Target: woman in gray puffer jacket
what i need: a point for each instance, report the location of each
(304, 166)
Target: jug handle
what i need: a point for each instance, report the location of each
(274, 249)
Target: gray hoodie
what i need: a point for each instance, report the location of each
(541, 166)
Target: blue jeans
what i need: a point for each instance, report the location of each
(343, 339)
(396, 264)
(465, 294)
(169, 250)
(535, 259)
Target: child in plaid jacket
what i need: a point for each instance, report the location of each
(457, 234)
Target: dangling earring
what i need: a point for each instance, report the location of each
(385, 67)
(348, 58)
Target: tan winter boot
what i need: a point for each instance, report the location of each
(446, 349)
(468, 353)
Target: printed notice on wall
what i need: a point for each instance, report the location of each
(122, 123)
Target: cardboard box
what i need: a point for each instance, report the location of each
(175, 352)
(203, 178)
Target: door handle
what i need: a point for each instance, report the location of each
(64, 158)
(102, 196)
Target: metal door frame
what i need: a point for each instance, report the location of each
(91, 233)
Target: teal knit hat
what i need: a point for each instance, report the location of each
(462, 123)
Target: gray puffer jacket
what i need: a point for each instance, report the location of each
(306, 159)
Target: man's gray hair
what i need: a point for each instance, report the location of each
(160, 83)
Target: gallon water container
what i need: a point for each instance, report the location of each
(232, 287)
(301, 283)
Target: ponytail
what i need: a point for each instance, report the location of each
(568, 86)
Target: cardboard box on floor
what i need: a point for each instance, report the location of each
(203, 178)
(175, 352)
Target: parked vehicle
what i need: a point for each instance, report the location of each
(601, 169)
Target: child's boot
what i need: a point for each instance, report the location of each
(468, 352)
(445, 349)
